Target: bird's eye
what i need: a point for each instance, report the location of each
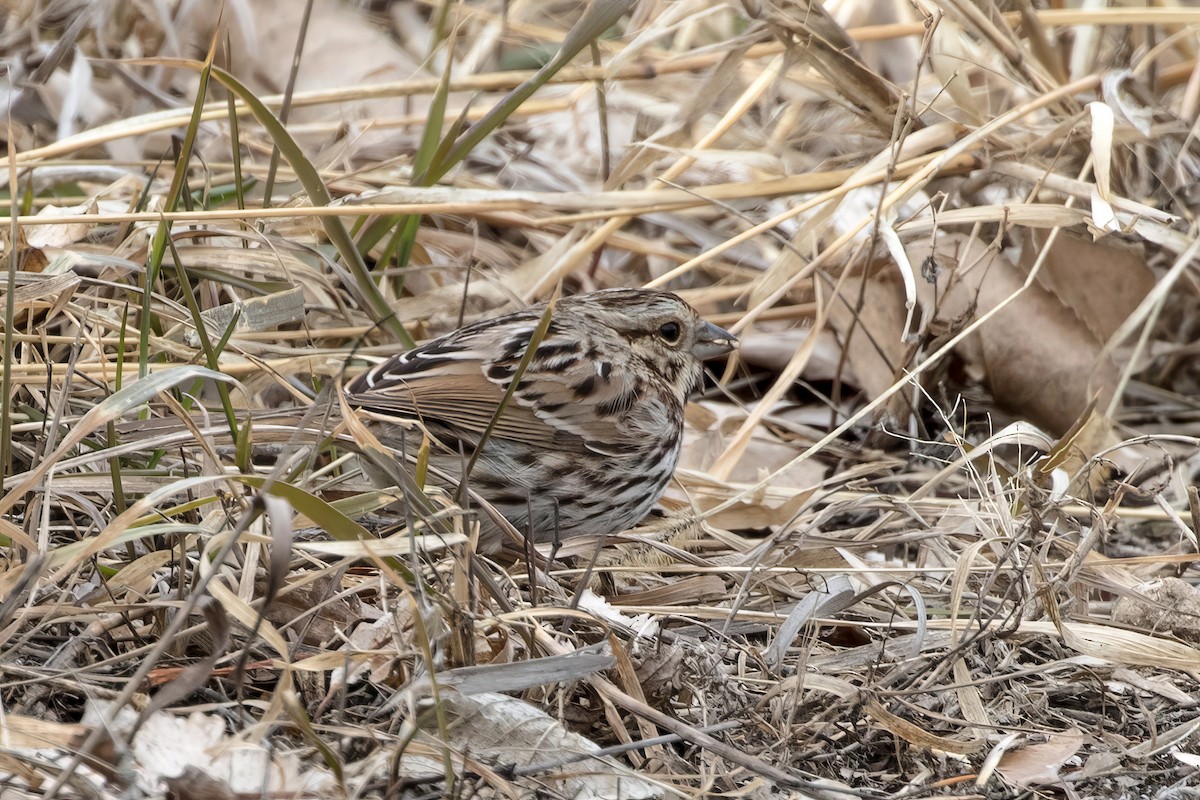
(670, 331)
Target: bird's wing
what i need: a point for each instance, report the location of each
(453, 395)
(569, 395)
(586, 392)
(581, 385)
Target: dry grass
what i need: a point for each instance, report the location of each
(930, 530)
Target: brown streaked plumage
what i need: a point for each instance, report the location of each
(592, 434)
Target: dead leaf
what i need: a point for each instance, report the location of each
(1102, 281)
(506, 730)
(1040, 353)
(61, 235)
(169, 747)
(1043, 762)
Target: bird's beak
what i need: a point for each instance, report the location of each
(712, 341)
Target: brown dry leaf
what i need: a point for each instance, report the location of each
(1101, 281)
(42, 291)
(873, 332)
(758, 513)
(1057, 327)
(660, 670)
(954, 57)
(136, 578)
(1042, 762)
(324, 614)
(1085, 291)
(1163, 686)
(1039, 356)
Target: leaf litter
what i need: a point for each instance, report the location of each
(933, 529)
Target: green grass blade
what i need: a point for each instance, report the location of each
(598, 18)
(162, 233)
